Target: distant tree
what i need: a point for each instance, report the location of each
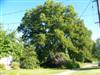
(15, 45)
(96, 50)
(2, 35)
(9, 45)
(53, 27)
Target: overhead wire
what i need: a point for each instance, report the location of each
(85, 9)
(11, 13)
(15, 12)
(10, 23)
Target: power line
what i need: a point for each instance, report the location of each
(15, 12)
(10, 26)
(14, 23)
(20, 11)
(10, 13)
(85, 9)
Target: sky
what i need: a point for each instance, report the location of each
(12, 11)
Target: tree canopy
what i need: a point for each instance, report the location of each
(53, 27)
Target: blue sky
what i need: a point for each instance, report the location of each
(12, 11)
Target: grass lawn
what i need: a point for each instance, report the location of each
(88, 72)
(30, 72)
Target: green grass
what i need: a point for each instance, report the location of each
(88, 72)
(30, 72)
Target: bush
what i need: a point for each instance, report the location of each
(29, 63)
(15, 65)
(57, 60)
(2, 66)
(88, 60)
(72, 64)
(29, 59)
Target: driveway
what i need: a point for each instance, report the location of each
(69, 72)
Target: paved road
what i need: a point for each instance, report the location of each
(69, 72)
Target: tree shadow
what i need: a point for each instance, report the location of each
(90, 68)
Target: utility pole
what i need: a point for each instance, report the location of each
(98, 7)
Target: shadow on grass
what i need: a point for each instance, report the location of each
(90, 68)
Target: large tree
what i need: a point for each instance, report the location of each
(53, 27)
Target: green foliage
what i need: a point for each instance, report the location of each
(81, 40)
(2, 35)
(52, 28)
(72, 64)
(41, 39)
(2, 66)
(57, 60)
(80, 56)
(29, 59)
(96, 49)
(9, 45)
(15, 65)
(98, 63)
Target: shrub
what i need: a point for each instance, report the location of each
(2, 66)
(88, 60)
(72, 64)
(15, 65)
(80, 57)
(29, 59)
(57, 60)
(29, 63)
